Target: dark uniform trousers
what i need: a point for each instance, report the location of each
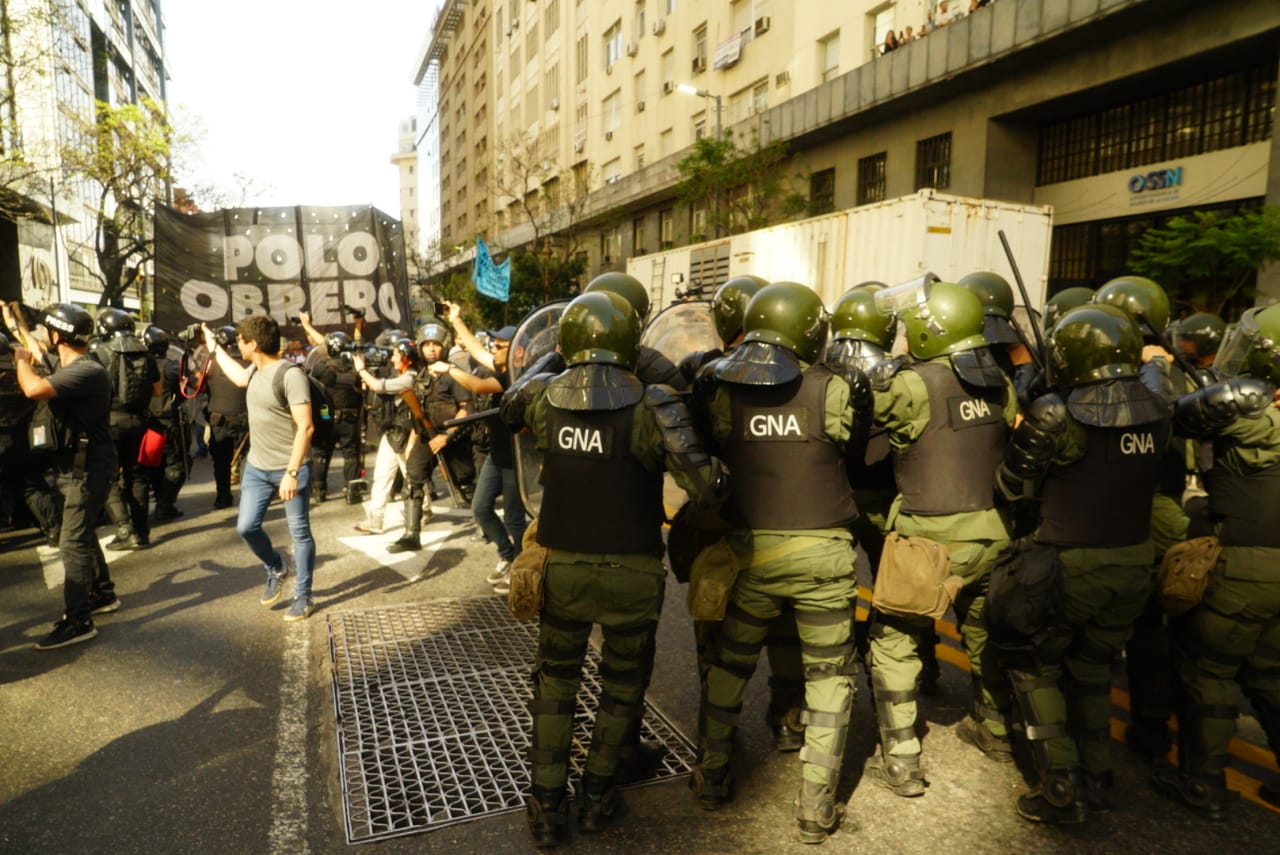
(225, 435)
(346, 439)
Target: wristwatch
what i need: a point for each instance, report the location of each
(292, 473)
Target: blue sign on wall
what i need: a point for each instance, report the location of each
(1161, 179)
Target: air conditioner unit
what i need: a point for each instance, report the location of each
(555, 103)
(608, 136)
(699, 64)
(633, 49)
(579, 146)
(762, 25)
(782, 78)
(668, 86)
(659, 26)
(639, 106)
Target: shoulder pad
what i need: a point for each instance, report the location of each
(595, 387)
(1253, 396)
(882, 374)
(660, 394)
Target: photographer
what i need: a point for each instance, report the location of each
(24, 470)
(397, 427)
(336, 372)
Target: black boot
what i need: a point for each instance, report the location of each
(1207, 795)
(598, 803)
(712, 788)
(547, 812)
(816, 812)
(901, 773)
(409, 541)
(977, 734)
(1055, 801)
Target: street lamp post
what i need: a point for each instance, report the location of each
(703, 93)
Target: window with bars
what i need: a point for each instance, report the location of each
(1228, 111)
(871, 182)
(822, 192)
(933, 162)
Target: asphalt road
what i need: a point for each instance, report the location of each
(200, 721)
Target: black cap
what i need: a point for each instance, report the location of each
(506, 333)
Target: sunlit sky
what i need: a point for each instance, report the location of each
(303, 98)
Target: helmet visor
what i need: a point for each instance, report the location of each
(909, 294)
(1238, 340)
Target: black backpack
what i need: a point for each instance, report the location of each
(128, 362)
(321, 406)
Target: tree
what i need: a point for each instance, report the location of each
(749, 180)
(27, 166)
(552, 202)
(126, 154)
(1207, 259)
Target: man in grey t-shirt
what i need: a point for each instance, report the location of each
(279, 460)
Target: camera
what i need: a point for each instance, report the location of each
(374, 356)
(354, 312)
(191, 335)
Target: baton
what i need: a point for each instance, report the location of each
(471, 417)
(1026, 301)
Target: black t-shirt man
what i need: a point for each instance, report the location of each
(83, 403)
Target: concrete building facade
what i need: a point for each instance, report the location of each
(1119, 113)
(66, 56)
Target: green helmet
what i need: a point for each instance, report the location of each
(1199, 335)
(997, 305)
(1064, 301)
(1252, 346)
(949, 321)
(599, 327)
(1095, 342)
(625, 286)
(729, 304)
(856, 317)
(1144, 300)
(790, 315)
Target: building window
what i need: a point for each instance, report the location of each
(611, 245)
(580, 61)
(822, 192)
(551, 18)
(639, 157)
(760, 96)
(612, 113)
(612, 171)
(666, 228)
(612, 45)
(829, 57)
(700, 49)
(871, 180)
(637, 22)
(699, 128)
(1212, 115)
(639, 244)
(933, 162)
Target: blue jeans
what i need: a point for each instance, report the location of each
(492, 480)
(258, 489)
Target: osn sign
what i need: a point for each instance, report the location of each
(1161, 179)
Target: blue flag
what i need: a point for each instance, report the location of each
(492, 280)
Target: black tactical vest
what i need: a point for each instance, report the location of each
(1104, 498)
(597, 497)
(1248, 506)
(787, 473)
(951, 467)
(342, 382)
(225, 397)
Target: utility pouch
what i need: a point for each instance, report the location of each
(528, 576)
(914, 578)
(1184, 573)
(711, 578)
(1024, 595)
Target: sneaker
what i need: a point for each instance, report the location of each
(66, 632)
(502, 571)
(300, 609)
(274, 586)
(368, 527)
(118, 544)
(101, 602)
(503, 587)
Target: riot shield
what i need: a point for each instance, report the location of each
(682, 329)
(675, 332)
(536, 336)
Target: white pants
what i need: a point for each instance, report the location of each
(384, 477)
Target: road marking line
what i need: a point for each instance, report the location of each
(289, 775)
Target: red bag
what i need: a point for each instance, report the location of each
(151, 451)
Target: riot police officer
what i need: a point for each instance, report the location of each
(168, 414)
(1004, 339)
(337, 374)
(780, 417)
(948, 413)
(1108, 425)
(598, 424)
(1234, 635)
(228, 418)
(651, 366)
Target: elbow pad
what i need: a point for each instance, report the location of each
(1035, 442)
(681, 441)
(1209, 410)
(1158, 378)
(882, 374)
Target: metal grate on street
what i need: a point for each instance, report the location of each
(432, 715)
